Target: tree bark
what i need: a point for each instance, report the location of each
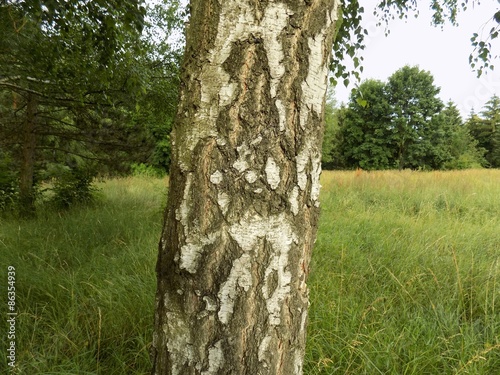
(243, 203)
(28, 145)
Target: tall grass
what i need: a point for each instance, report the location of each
(405, 274)
(86, 282)
(404, 279)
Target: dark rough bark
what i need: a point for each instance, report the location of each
(28, 144)
(243, 203)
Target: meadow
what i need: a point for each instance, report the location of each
(405, 278)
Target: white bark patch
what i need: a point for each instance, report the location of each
(302, 159)
(272, 173)
(210, 304)
(223, 201)
(241, 164)
(278, 264)
(264, 345)
(256, 141)
(191, 252)
(182, 213)
(309, 155)
(217, 89)
(315, 85)
(294, 200)
(316, 82)
(281, 114)
(278, 232)
(298, 361)
(215, 359)
(239, 277)
(251, 177)
(179, 344)
(315, 177)
(274, 21)
(216, 177)
(215, 82)
(226, 94)
(303, 321)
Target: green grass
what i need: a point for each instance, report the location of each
(405, 278)
(86, 283)
(405, 274)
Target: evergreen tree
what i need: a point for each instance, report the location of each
(488, 133)
(462, 147)
(331, 153)
(67, 67)
(83, 82)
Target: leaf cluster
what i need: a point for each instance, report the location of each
(349, 39)
(481, 58)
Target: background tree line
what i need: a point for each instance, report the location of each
(402, 123)
(90, 88)
(86, 88)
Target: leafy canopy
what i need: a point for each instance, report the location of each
(402, 123)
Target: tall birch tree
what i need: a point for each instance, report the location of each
(244, 186)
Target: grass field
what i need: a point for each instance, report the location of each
(405, 278)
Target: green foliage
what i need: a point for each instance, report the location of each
(67, 78)
(365, 128)
(485, 130)
(104, 75)
(463, 148)
(481, 58)
(73, 187)
(395, 124)
(403, 124)
(330, 155)
(415, 105)
(350, 35)
(349, 40)
(9, 193)
(491, 119)
(146, 170)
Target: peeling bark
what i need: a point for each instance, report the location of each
(244, 186)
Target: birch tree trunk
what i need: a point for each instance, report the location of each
(243, 202)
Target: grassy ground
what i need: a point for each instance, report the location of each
(86, 283)
(405, 275)
(405, 278)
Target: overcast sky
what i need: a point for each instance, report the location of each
(445, 53)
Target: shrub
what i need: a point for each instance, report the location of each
(9, 193)
(72, 187)
(145, 170)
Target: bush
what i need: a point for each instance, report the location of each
(145, 170)
(9, 193)
(72, 187)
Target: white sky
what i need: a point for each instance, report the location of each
(445, 53)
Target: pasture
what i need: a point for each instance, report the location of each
(405, 278)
